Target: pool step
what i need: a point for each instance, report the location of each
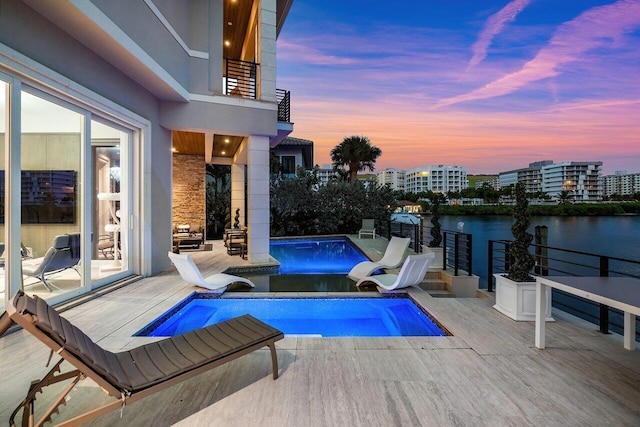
(433, 285)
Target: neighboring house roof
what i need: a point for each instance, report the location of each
(289, 141)
(305, 146)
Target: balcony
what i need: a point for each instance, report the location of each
(283, 97)
(240, 78)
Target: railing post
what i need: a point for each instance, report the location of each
(444, 251)
(470, 253)
(490, 267)
(542, 254)
(604, 309)
(456, 248)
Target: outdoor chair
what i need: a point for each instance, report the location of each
(190, 273)
(412, 273)
(393, 256)
(130, 375)
(368, 228)
(64, 253)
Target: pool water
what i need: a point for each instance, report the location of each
(317, 317)
(316, 256)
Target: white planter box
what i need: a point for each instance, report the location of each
(518, 299)
(436, 264)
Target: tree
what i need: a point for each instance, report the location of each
(523, 261)
(564, 196)
(356, 153)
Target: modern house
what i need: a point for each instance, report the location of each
(95, 98)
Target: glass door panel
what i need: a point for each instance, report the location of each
(51, 181)
(110, 251)
(3, 137)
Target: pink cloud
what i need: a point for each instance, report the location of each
(493, 26)
(593, 28)
(303, 53)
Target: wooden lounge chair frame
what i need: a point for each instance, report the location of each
(43, 322)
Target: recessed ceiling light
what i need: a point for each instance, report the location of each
(229, 23)
(173, 149)
(224, 152)
(226, 140)
(227, 43)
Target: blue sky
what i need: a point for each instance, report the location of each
(489, 85)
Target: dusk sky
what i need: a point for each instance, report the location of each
(490, 85)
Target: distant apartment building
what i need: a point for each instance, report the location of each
(392, 177)
(493, 182)
(531, 176)
(580, 179)
(621, 183)
(436, 178)
(326, 174)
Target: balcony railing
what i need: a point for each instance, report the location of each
(283, 97)
(240, 78)
(552, 261)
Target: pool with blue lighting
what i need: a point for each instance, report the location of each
(316, 256)
(307, 317)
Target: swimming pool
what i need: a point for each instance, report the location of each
(316, 256)
(309, 317)
(310, 265)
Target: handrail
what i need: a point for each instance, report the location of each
(569, 262)
(283, 97)
(240, 78)
(460, 259)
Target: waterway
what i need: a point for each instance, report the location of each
(614, 236)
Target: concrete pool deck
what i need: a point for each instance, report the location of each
(488, 373)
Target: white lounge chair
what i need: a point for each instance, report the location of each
(393, 256)
(190, 273)
(368, 228)
(412, 272)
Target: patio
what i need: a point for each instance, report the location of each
(488, 373)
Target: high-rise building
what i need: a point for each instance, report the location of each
(436, 178)
(580, 179)
(531, 176)
(621, 183)
(392, 177)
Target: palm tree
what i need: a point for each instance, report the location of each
(357, 153)
(564, 196)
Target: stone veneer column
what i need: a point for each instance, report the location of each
(258, 198)
(189, 191)
(237, 192)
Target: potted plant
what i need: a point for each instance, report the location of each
(436, 234)
(516, 290)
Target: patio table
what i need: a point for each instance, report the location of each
(622, 293)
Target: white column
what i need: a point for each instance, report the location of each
(629, 331)
(541, 310)
(258, 198)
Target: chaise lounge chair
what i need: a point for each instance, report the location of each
(131, 375)
(191, 274)
(368, 228)
(64, 253)
(392, 258)
(412, 272)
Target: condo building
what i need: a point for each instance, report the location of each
(436, 178)
(106, 105)
(580, 179)
(621, 183)
(531, 176)
(391, 177)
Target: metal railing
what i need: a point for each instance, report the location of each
(283, 97)
(553, 261)
(240, 78)
(457, 249)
